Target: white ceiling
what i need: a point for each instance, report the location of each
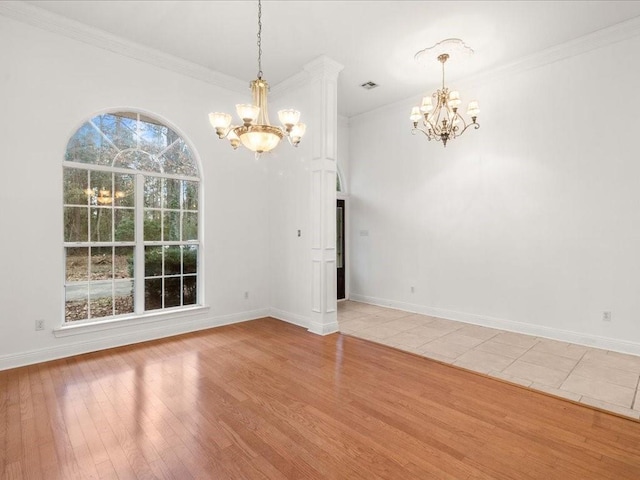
(374, 40)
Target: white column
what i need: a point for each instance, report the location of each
(323, 78)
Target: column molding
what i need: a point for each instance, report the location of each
(323, 79)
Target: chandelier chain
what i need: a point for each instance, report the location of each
(259, 39)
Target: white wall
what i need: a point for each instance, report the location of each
(531, 223)
(290, 199)
(343, 152)
(50, 84)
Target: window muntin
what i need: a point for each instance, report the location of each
(131, 215)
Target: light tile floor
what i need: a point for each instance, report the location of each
(599, 378)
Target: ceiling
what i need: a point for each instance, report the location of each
(374, 40)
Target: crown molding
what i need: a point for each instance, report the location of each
(58, 24)
(321, 66)
(318, 67)
(616, 33)
(294, 82)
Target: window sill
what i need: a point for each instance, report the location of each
(70, 329)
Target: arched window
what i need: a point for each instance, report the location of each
(131, 216)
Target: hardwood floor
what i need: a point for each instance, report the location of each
(265, 399)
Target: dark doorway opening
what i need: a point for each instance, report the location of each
(340, 250)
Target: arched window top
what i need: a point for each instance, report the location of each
(339, 181)
(133, 141)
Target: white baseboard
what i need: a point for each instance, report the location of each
(324, 329)
(306, 322)
(120, 336)
(289, 317)
(596, 341)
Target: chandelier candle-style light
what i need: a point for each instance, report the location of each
(256, 133)
(437, 116)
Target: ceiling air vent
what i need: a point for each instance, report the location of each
(369, 85)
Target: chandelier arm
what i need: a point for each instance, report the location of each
(225, 133)
(291, 142)
(437, 127)
(428, 135)
(475, 125)
(429, 125)
(455, 129)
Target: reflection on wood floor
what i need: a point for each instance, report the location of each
(265, 399)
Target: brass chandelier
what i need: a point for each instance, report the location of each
(256, 133)
(437, 116)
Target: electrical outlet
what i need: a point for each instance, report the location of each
(606, 316)
(246, 295)
(40, 324)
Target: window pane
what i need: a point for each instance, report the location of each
(123, 287)
(76, 183)
(101, 299)
(152, 226)
(137, 160)
(76, 305)
(88, 146)
(190, 290)
(123, 296)
(153, 294)
(190, 259)
(172, 260)
(123, 262)
(154, 137)
(124, 225)
(120, 129)
(101, 224)
(152, 261)
(76, 224)
(101, 263)
(172, 193)
(152, 192)
(101, 183)
(172, 292)
(179, 159)
(124, 186)
(189, 226)
(77, 264)
(190, 201)
(171, 226)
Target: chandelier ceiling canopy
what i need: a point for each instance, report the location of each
(437, 116)
(256, 133)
